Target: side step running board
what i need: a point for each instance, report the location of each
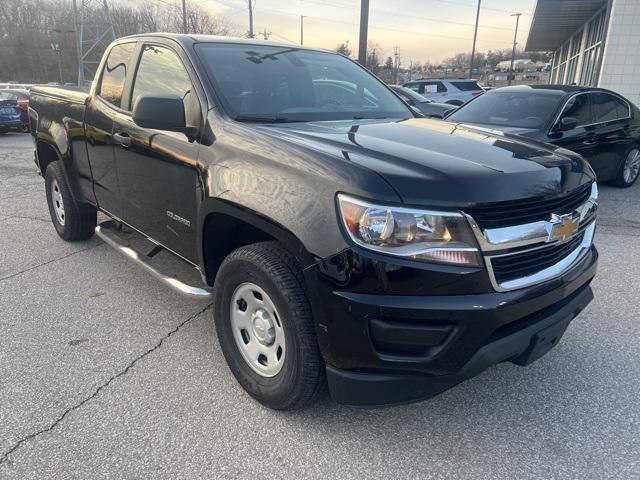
(112, 235)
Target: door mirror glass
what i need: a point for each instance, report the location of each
(160, 112)
(568, 123)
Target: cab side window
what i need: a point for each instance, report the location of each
(114, 73)
(434, 87)
(160, 71)
(578, 107)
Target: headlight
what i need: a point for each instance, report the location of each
(430, 236)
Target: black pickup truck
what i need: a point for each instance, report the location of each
(342, 238)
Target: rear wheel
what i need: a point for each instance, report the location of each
(629, 169)
(72, 220)
(265, 326)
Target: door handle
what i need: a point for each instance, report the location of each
(589, 141)
(123, 139)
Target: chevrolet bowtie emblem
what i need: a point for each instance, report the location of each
(563, 226)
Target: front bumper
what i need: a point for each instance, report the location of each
(6, 125)
(384, 347)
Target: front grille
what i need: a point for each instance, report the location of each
(519, 265)
(518, 212)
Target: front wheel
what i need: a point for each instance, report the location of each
(629, 169)
(265, 326)
(72, 220)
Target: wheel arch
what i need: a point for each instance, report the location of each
(45, 154)
(225, 226)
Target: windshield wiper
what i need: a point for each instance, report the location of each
(262, 118)
(358, 117)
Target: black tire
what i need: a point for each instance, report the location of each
(302, 375)
(79, 220)
(620, 180)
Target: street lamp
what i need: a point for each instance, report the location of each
(57, 48)
(515, 41)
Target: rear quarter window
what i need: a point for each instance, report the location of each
(608, 107)
(466, 86)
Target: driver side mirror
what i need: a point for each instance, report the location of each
(160, 112)
(410, 101)
(568, 123)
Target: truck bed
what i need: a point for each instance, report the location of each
(68, 94)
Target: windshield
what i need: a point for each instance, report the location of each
(270, 83)
(8, 96)
(508, 109)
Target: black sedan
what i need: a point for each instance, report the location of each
(428, 107)
(599, 124)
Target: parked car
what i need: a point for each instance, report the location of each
(454, 91)
(21, 96)
(600, 125)
(345, 238)
(9, 115)
(428, 107)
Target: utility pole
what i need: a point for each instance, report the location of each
(251, 35)
(364, 30)
(94, 32)
(58, 47)
(515, 42)
(78, 40)
(55, 46)
(302, 17)
(266, 34)
(396, 63)
(185, 29)
(475, 35)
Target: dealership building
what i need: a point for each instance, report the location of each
(595, 42)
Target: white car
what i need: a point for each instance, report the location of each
(454, 91)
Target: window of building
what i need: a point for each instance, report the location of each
(115, 73)
(574, 55)
(595, 35)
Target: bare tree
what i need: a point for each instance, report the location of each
(29, 27)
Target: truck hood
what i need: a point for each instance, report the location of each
(431, 162)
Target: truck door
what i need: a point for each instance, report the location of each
(580, 139)
(158, 170)
(98, 118)
(611, 133)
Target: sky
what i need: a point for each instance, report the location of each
(424, 30)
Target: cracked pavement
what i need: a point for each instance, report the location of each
(107, 374)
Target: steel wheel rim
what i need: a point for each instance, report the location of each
(57, 202)
(632, 165)
(257, 329)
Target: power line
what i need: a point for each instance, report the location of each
(282, 37)
(416, 17)
(452, 2)
(372, 27)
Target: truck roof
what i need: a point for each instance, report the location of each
(190, 39)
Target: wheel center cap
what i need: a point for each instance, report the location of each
(263, 328)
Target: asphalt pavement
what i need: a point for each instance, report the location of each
(105, 373)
